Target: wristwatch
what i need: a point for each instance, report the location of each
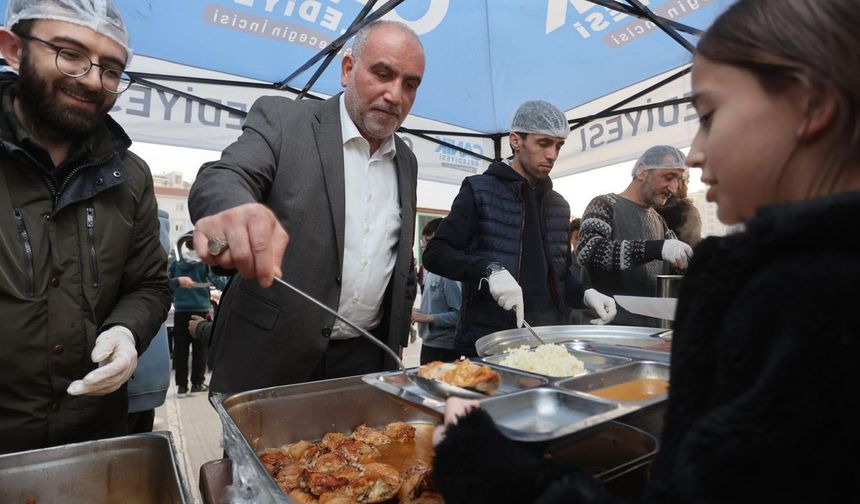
(492, 268)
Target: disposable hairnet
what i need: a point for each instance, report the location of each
(541, 118)
(101, 16)
(660, 156)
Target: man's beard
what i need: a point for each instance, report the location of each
(46, 116)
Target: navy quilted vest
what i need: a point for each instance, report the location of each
(499, 238)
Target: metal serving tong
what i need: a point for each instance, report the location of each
(534, 333)
(437, 388)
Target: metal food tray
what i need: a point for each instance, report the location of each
(395, 383)
(547, 414)
(141, 468)
(265, 418)
(496, 343)
(593, 361)
(633, 371)
(618, 454)
(565, 409)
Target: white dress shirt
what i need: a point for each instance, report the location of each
(372, 227)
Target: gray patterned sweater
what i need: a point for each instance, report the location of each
(620, 245)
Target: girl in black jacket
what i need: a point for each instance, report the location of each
(767, 339)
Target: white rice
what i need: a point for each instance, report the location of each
(550, 360)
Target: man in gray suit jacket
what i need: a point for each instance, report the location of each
(335, 176)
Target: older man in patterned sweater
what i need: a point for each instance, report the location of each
(624, 243)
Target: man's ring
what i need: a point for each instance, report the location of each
(217, 245)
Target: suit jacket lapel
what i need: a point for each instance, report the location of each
(330, 147)
(405, 181)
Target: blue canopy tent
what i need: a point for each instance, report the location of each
(484, 57)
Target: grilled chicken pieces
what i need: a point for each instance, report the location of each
(463, 373)
(342, 469)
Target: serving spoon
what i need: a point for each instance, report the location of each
(435, 387)
(438, 388)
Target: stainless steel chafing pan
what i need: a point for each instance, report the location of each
(138, 469)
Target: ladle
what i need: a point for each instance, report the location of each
(438, 388)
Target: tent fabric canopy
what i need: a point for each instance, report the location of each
(484, 57)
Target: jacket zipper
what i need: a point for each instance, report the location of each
(91, 237)
(30, 283)
(69, 178)
(57, 192)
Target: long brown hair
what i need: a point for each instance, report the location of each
(813, 43)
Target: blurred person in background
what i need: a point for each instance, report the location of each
(190, 298)
(83, 287)
(440, 309)
(681, 214)
(336, 176)
(624, 243)
(577, 315)
(148, 386)
(761, 401)
(508, 233)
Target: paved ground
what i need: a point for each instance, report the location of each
(196, 429)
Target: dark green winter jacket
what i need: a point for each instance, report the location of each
(79, 252)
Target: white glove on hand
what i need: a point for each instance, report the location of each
(507, 292)
(603, 306)
(117, 358)
(677, 252)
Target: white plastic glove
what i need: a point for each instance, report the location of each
(507, 292)
(603, 306)
(117, 358)
(677, 252)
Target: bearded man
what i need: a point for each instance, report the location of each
(83, 281)
(624, 243)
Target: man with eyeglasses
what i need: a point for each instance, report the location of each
(83, 276)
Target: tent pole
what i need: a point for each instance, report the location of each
(358, 19)
(497, 147)
(443, 143)
(189, 96)
(663, 26)
(616, 112)
(335, 46)
(582, 122)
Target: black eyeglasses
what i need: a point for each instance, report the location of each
(76, 64)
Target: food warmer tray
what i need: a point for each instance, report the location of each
(140, 468)
(266, 418)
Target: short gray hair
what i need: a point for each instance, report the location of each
(360, 41)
